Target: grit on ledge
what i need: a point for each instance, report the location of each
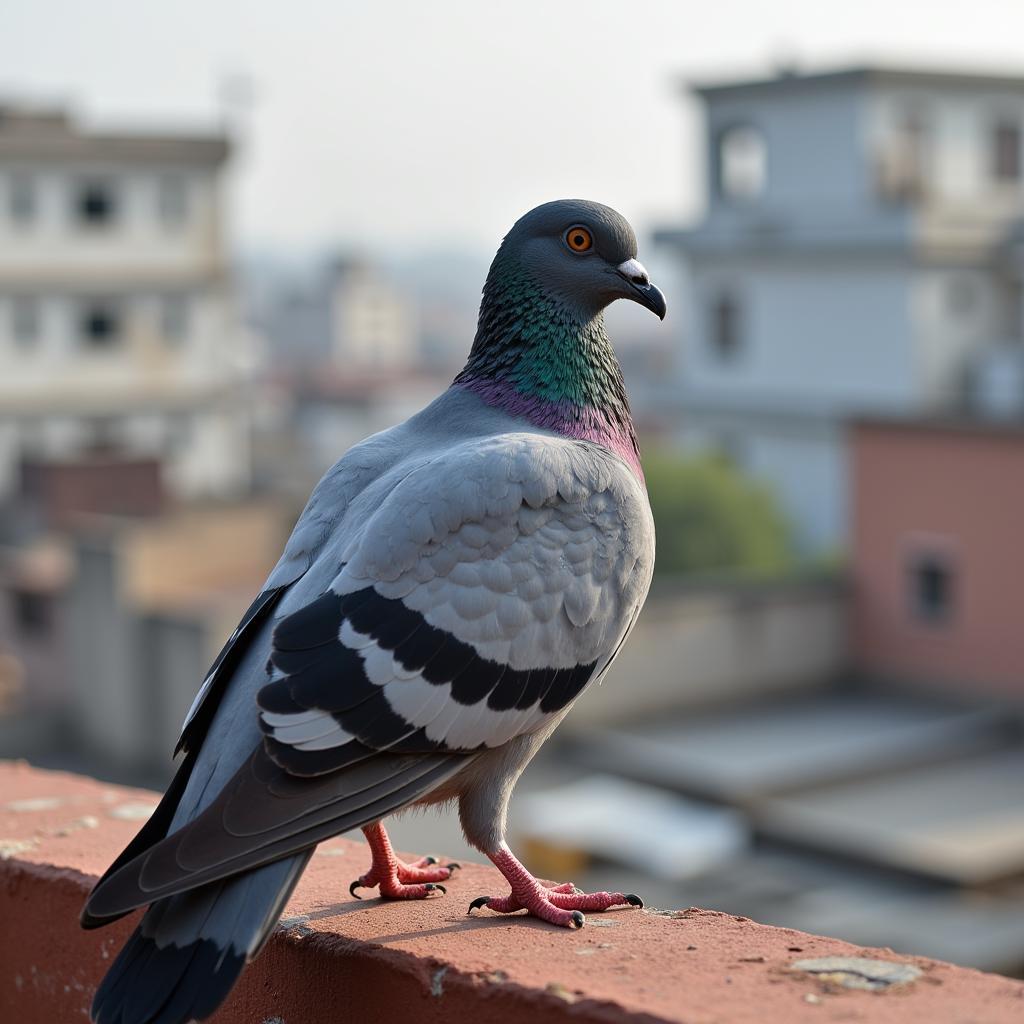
(335, 958)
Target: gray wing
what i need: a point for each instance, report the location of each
(476, 605)
(487, 590)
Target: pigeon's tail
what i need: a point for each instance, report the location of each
(187, 953)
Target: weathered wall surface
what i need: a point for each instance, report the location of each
(336, 959)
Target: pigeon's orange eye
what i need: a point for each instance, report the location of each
(579, 239)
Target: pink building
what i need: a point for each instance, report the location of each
(938, 553)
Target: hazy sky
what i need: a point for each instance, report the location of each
(406, 123)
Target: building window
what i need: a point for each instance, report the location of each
(1006, 150)
(103, 434)
(172, 200)
(931, 584)
(100, 323)
(906, 159)
(96, 204)
(32, 611)
(741, 163)
(174, 315)
(725, 328)
(24, 319)
(21, 198)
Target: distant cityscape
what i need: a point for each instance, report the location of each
(829, 736)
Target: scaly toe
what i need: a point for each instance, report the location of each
(399, 891)
(411, 873)
(588, 900)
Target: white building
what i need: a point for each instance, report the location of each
(852, 259)
(117, 326)
(373, 324)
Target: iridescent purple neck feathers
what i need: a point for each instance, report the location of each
(583, 423)
(537, 358)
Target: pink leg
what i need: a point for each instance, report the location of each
(398, 880)
(559, 904)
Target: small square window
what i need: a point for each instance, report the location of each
(100, 324)
(1006, 150)
(741, 163)
(25, 319)
(32, 610)
(725, 327)
(172, 200)
(103, 435)
(96, 204)
(21, 198)
(932, 583)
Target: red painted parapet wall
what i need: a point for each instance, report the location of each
(336, 959)
(950, 495)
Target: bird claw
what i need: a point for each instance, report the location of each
(359, 883)
(561, 904)
(478, 903)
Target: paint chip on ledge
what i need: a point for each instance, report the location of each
(39, 803)
(132, 811)
(859, 972)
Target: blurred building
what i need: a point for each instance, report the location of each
(106, 631)
(163, 595)
(372, 321)
(346, 349)
(937, 558)
(117, 325)
(348, 316)
(856, 255)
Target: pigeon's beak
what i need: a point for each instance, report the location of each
(640, 288)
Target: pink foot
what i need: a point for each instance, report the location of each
(558, 904)
(396, 879)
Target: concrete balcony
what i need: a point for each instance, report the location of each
(333, 958)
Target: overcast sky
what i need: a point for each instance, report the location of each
(405, 124)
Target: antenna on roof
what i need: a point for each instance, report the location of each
(237, 95)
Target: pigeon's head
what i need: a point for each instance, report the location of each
(583, 254)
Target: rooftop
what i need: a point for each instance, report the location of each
(963, 425)
(790, 79)
(34, 133)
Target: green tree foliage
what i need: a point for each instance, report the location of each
(711, 518)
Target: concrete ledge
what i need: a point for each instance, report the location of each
(337, 959)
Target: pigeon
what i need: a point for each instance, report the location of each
(450, 589)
